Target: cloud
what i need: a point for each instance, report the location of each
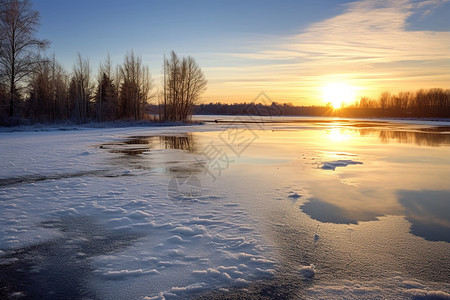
(371, 32)
(429, 5)
(368, 45)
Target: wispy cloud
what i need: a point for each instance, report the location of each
(374, 32)
(429, 5)
(368, 45)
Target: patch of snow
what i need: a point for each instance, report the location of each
(117, 275)
(294, 195)
(189, 231)
(332, 165)
(308, 271)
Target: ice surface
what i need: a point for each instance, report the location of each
(394, 287)
(106, 215)
(49, 177)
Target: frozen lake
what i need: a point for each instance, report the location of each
(290, 208)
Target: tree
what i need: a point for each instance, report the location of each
(184, 82)
(60, 84)
(384, 100)
(80, 90)
(404, 102)
(3, 103)
(107, 94)
(19, 48)
(136, 86)
(106, 99)
(48, 88)
(39, 103)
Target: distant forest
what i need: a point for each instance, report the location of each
(431, 103)
(37, 89)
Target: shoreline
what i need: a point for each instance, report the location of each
(201, 119)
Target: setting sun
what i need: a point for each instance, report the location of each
(338, 93)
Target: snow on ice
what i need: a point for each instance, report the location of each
(49, 180)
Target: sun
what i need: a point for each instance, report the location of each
(338, 94)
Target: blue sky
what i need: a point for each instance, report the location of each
(289, 49)
(154, 27)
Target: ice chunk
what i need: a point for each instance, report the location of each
(175, 239)
(308, 271)
(294, 195)
(332, 165)
(117, 275)
(189, 231)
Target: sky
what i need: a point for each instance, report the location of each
(290, 50)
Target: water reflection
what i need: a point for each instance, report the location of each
(325, 212)
(339, 203)
(432, 139)
(391, 179)
(423, 137)
(135, 145)
(428, 212)
(163, 154)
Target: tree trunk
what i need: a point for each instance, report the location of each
(11, 98)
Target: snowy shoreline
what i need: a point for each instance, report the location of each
(200, 119)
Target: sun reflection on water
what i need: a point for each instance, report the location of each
(337, 134)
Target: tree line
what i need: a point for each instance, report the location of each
(430, 103)
(36, 88)
(259, 109)
(423, 103)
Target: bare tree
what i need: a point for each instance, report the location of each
(3, 103)
(19, 48)
(39, 102)
(184, 82)
(80, 90)
(60, 80)
(384, 100)
(48, 87)
(136, 86)
(107, 94)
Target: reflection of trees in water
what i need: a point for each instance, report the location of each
(432, 139)
(135, 149)
(135, 145)
(178, 142)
